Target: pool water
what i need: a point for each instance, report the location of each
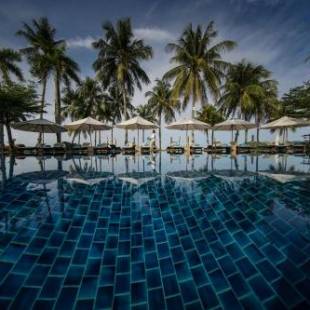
(155, 232)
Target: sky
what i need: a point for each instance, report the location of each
(274, 33)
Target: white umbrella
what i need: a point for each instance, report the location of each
(286, 122)
(234, 124)
(39, 125)
(87, 124)
(188, 124)
(137, 122)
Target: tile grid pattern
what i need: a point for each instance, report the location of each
(208, 244)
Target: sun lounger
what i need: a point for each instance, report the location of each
(245, 148)
(196, 149)
(296, 147)
(175, 147)
(129, 149)
(103, 148)
(44, 149)
(218, 148)
(60, 148)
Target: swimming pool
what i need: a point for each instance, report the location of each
(155, 232)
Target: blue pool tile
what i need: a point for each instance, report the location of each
(238, 285)
(11, 285)
(38, 275)
(104, 297)
(208, 297)
(218, 280)
(156, 299)
(74, 275)
(188, 291)
(12, 252)
(153, 278)
(182, 271)
(261, 287)
(86, 304)
(170, 285)
(122, 283)
(268, 270)
(229, 300)
(138, 271)
(88, 287)
(51, 287)
(66, 298)
(246, 267)
(25, 298)
(174, 302)
(121, 302)
(5, 267)
(138, 292)
(43, 304)
(60, 266)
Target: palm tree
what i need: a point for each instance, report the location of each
(47, 56)
(162, 103)
(118, 60)
(65, 70)
(248, 92)
(8, 65)
(144, 111)
(40, 36)
(17, 103)
(209, 114)
(199, 65)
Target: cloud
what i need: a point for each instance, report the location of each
(79, 42)
(148, 33)
(153, 34)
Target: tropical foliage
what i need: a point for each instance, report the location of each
(296, 102)
(210, 115)
(47, 56)
(161, 103)
(199, 64)
(119, 60)
(9, 60)
(248, 92)
(17, 102)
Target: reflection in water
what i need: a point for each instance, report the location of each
(204, 209)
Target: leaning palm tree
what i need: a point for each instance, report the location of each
(144, 110)
(8, 65)
(199, 65)
(162, 103)
(249, 93)
(118, 60)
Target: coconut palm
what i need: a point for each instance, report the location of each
(161, 103)
(118, 60)
(249, 93)
(199, 65)
(40, 37)
(209, 114)
(8, 65)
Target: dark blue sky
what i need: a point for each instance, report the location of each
(275, 33)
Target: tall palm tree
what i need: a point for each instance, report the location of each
(65, 70)
(40, 37)
(118, 60)
(199, 65)
(209, 114)
(249, 93)
(8, 65)
(47, 56)
(161, 103)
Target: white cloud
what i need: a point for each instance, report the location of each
(148, 33)
(81, 42)
(154, 34)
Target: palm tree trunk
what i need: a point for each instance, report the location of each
(212, 137)
(125, 112)
(12, 163)
(10, 138)
(57, 104)
(257, 130)
(193, 116)
(159, 124)
(1, 136)
(44, 82)
(246, 136)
